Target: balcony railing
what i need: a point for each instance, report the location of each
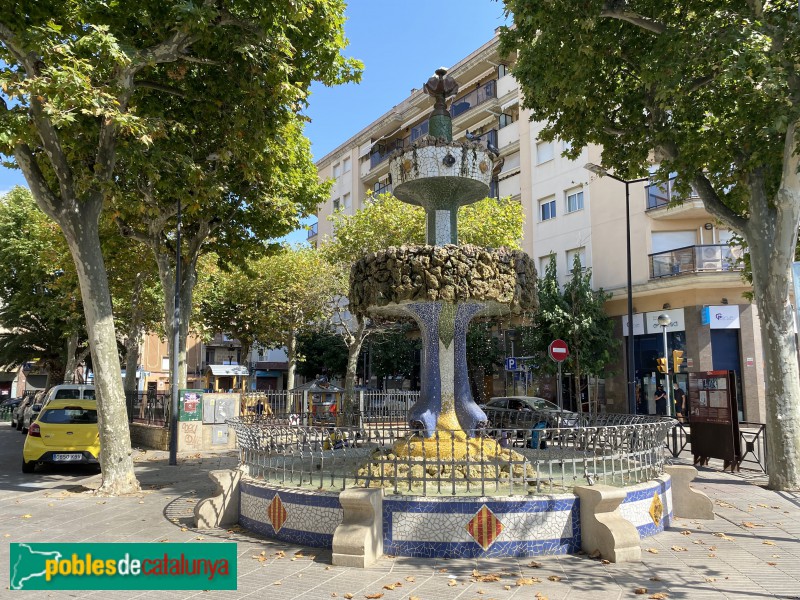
(659, 195)
(383, 150)
(476, 97)
(696, 259)
(312, 231)
(381, 187)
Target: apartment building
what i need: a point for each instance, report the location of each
(682, 263)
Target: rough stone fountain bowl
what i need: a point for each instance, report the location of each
(502, 279)
(437, 174)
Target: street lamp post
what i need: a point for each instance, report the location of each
(176, 361)
(664, 321)
(602, 172)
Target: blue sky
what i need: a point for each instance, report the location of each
(400, 43)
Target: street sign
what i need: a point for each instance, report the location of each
(511, 363)
(558, 350)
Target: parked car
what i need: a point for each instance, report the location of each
(65, 432)
(31, 411)
(16, 416)
(70, 391)
(524, 413)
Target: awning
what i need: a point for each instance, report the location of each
(260, 373)
(228, 370)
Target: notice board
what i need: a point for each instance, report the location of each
(714, 416)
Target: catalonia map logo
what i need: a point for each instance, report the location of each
(154, 566)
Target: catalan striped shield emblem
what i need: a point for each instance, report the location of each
(276, 513)
(484, 527)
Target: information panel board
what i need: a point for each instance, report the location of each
(713, 415)
(190, 405)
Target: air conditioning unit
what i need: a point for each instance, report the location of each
(712, 265)
(712, 253)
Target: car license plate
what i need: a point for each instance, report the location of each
(67, 457)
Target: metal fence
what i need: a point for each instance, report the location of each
(367, 405)
(752, 443)
(148, 408)
(295, 451)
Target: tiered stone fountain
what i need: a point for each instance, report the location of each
(443, 285)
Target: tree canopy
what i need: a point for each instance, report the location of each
(78, 112)
(707, 90)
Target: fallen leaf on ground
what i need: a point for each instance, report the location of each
(375, 595)
(605, 562)
(541, 596)
(712, 555)
(410, 579)
(348, 596)
(489, 577)
(686, 532)
(653, 550)
(678, 549)
(763, 505)
(659, 596)
(26, 516)
(640, 590)
(655, 578)
(452, 583)
(334, 595)
(184, 529)
(535, 565)
(391, 586)
(712, 548)
(554, 578)
(443, 570)
(768, 543)
(750, 525)
(277, 583)
(710, 579)
(528, 581)
(772, 564)
(724, 536)
(506, 587)
(413, 598)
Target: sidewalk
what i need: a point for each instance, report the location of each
(751, 550)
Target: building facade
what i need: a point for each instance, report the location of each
(682, 263)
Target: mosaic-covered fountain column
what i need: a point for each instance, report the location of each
(446, 401)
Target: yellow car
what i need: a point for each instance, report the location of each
(65, 432)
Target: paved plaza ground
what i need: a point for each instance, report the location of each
(751, 550)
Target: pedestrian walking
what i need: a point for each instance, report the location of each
(661, 400)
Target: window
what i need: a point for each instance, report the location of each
(346, 201)
(336, 204)
(547, 209)
(505, 120)
(502, 70)
(165, 363)
(346, 165)
(580, 254)
(544, 152)
(574, 200)
(337, 170)
(544, 262)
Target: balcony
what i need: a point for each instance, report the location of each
(383, 150)
(659, 197)
(381, 187)
(696, 259)
(485, 92)
(312, 231)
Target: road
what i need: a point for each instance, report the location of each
(14, 483)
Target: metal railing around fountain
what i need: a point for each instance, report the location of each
(294, 451)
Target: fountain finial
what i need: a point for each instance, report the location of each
(441, 86)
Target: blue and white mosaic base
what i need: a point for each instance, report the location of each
(636, 506)
(438, 527)
(311, 517)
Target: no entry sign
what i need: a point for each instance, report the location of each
(558, 350)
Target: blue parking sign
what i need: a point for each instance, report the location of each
(511, 363)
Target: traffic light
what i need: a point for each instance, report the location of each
(662, 365)
(677, 360)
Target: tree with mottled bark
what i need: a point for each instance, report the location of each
(710, 91)
(73, 77)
